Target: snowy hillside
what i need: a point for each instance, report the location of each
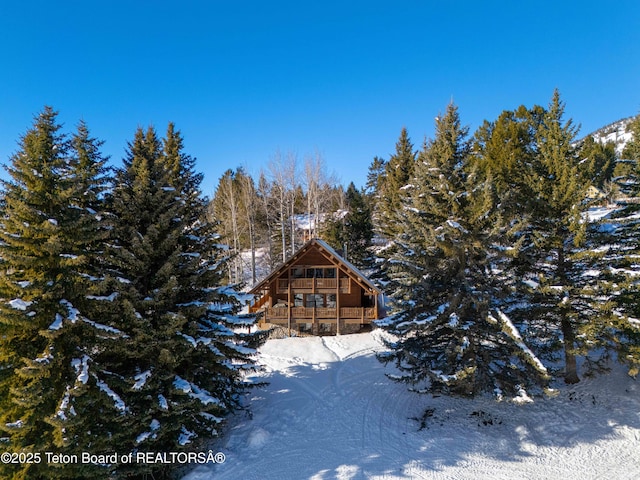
(615, 132)
(329, 412)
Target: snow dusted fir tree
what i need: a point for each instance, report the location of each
(618, 325)
(50, 235)
(559, 297)
(631, 214)
(452, 336)
(598, 161)
(397, 173)
(182, 369)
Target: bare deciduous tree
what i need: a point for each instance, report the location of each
(226, 210)
(249, 205)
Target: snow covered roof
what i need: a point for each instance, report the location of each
(331, 255)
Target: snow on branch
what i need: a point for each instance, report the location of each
(194, 391)
(64, 405)
(185, 436)
(141, 379)
(509, 328)
(81, 366)
(19, 304)
(154, 426)
(117, 401)
(73, 314)
(108, 298)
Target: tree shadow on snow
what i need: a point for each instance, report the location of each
(347, 420)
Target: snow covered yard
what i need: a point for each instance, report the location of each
(329, 412)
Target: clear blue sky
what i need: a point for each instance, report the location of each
(244, 79)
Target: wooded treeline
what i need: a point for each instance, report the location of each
(508, 255)
(117, 334)
(290, 203)
(512, 255)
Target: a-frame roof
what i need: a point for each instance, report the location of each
(331, 255)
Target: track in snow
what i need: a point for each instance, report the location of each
(329, 412)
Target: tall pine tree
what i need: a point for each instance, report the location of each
(50, 341)
(554, 238)
(598, 162)
(398, 172)
(352, 232)
(618, 328)
(183, 368)
(452, 335)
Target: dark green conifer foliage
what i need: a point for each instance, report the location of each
(50, 381)
(452, 335)
(632, 148)
(503, 152)
(351, 234)
(182, 370)
(374, 175)
(598, 162)
(333, 232)
(503, 149)
(555, 236)
(392, 186)
(617, 328)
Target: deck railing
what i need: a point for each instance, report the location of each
(313, 283)
(306, 313)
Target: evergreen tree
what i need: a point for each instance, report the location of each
(632, 148)
(51, 375)
(334, 231)
(617, 328)
(183, 369)
(375, 179)
(352, 232)
(452, 335)
(518, 152)
(393, 185)
(503, 150)
(374, 176)
(265, 218)
(598, 162)
(554, 239)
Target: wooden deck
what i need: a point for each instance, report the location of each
(305, 313)
(321, 326)
(313, 284)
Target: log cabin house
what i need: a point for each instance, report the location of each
(317, 291)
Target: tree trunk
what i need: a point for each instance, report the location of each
(569, 336)
(252, 242)
(571, 366)
(283, 227)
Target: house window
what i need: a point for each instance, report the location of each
(298, 299)
(319, 300)
(297, 272)
(314, 300)
(329, 273)
(331, 300)
(309, 300)
(326, 328)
